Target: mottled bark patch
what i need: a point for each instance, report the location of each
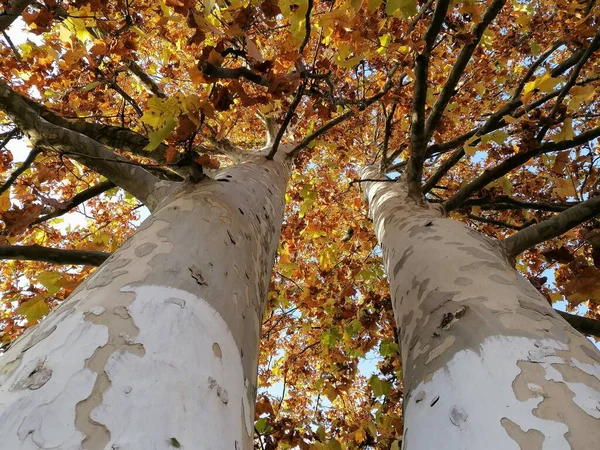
(145, 249)
(407, 253)
(530, 440)
(463, 281)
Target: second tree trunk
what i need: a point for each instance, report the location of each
(487, 363)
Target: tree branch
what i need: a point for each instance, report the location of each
(496, 120)
(12, 46)
(538, 62)
(121, 92)
(418, 141)
(288, 118)
(12, 12)
(568, 85)
(459, 66)
(505, 202)
(553, 227)
(146, 80)
(307, 26)
(212, 71)
(77, 200)
(109, 135)
(386, 137)
(22, 168)
(52, 255)
(134, 179)
(498, 223)
(333, 122)
(582, 324)
(443, 169)
(513, 162)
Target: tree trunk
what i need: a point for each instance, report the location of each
(487, 363)
(158, 349)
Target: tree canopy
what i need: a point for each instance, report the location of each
(489, 108)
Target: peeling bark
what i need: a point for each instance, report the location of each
(160, 344)
(486, 361)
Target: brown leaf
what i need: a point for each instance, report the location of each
(561, 255)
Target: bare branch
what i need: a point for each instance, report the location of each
(121, 92)
(145, 79)
(386, 137)
(22, 168)
(52, 255)
(134, 179)
(14, 10)
(307, 27)
(498, 223)
(459, 67)
(496, 120)
(582, 324)
(12, 46)
(288, 118)
(443, 169)
(333, 122)
(271, 127)
(571, 61)
(505, 202)
(109, 135)
(553, 227)
(568, 85)
(212, 71)
(538, 62)
(513, 162)
(77, 200)
(418, 141)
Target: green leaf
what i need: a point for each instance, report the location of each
(374, 4)
(91, 86)
(156, 137)
(499, 137)
(566, 133)
(261, 425)
(51, 281)
(354, 327)
(388, 348)
(33, 309)
(174, 442)
(469, 149)
(380, 387)
(506, 185)
(401, 8)
(395, 445)
(321, 434)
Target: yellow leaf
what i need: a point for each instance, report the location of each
(545, 84)
(401, 8)
(374, 4)
(566, 133)
(580, 94)
(498, 136)
(470, 150)
(556, 297)
(360, 435)
(509, 119)
(156, 137)
(565, 188)
(33, 309)
(5, 203)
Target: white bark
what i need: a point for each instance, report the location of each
(487, 363)
(159, 347)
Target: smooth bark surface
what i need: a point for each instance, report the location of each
(159, 348)
(487, 363)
